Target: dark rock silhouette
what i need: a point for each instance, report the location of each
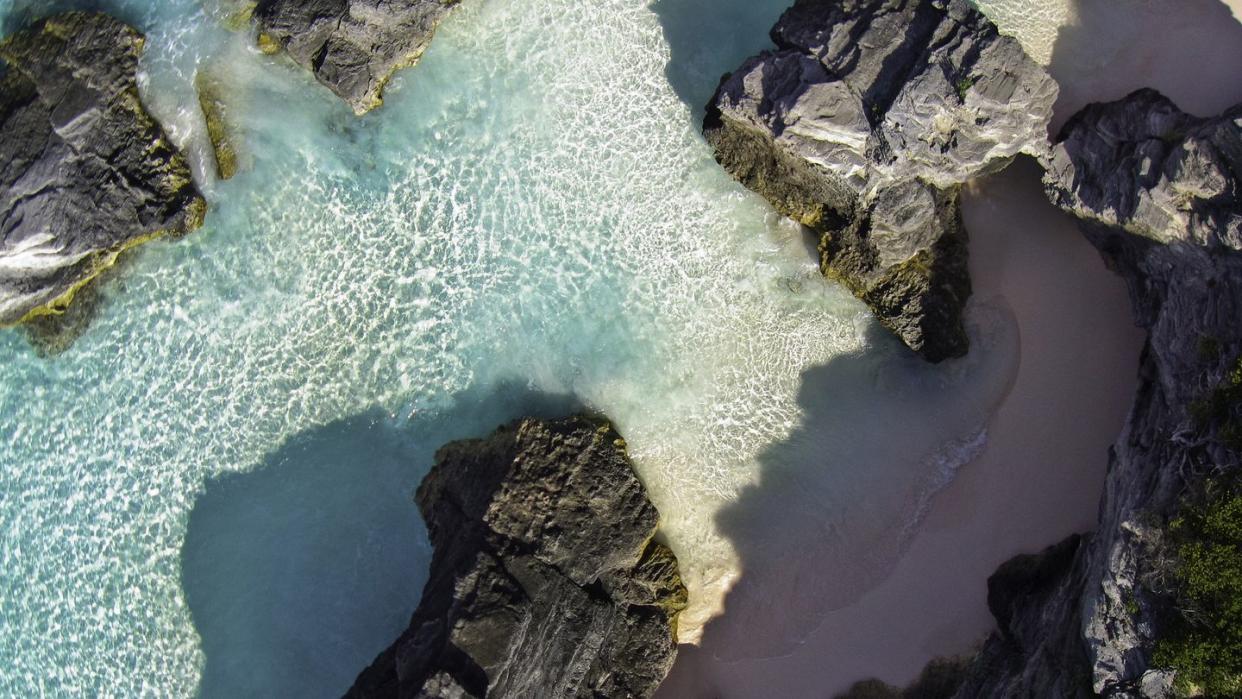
(545, 582)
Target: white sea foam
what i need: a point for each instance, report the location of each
(533, 207)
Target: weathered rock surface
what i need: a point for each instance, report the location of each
(863, 124)
(545, 581)
(1157, 191)
(352, 46)
(85, 172)
(1143, 166)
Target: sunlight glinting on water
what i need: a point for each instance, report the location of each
(533, 206)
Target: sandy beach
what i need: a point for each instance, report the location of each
(1040, 477)
(1038, 480)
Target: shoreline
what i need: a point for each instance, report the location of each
(1041, 474)
(1038, 479)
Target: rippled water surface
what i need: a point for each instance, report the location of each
(210, 491)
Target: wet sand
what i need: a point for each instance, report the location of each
(1038, 480)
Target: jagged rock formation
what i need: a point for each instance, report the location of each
(1157, 191)
(352, 46)
(85, 172)
(1143, 166)
(545, 581)
(863, 124)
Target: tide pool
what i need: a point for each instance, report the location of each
(210, 492)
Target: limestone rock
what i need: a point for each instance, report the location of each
(1156, 191)
(85, 172)
(1145, 167)
(863, 124)
(545, 580)
(352, 46)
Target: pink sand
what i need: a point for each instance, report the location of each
(1040, 477)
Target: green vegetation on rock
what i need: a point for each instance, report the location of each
(1204, 644)
(963, 86)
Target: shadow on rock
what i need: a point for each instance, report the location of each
(709, 38)
(298, 573)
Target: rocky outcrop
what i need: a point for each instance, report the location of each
(85, 172)
(1143, 167)
(1038, 650)
(545, 580)
(863, 124)
(1157, 191)
(352, 46)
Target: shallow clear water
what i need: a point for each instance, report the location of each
(210, 491)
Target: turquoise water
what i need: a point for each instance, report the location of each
(210, 492)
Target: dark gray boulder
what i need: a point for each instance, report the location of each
(85, 172)
(1157, 191)
(545, 580)
(352, 46)
(863, 124)
(1143, 167)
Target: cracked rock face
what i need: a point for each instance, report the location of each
(1155, 190)
(863, 124)
(352, 46)
(85, 172)
(1143, 166)
(545, 580)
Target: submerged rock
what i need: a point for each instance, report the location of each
(85, 172)
(545, 581)
(221, 130)
(352, 46)
(1157, 191)
(863, 124)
